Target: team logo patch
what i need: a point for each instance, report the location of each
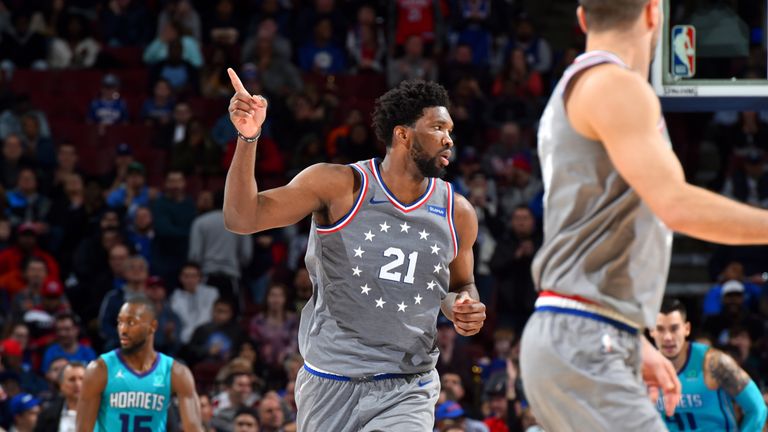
(440, 211)
(159, 381)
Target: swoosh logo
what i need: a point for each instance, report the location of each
(423, 383)
(374, 201)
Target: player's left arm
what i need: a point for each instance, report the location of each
(462, 305)
(726, 374)
(183, 385)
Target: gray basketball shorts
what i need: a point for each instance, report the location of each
(583, 374)
(328, 404)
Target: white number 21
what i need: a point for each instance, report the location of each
(386, 270)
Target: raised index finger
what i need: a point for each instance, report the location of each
(236, 83)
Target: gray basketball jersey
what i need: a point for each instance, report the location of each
(379, 275)
(601, 242)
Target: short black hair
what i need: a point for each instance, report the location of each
(609, 14)
(404, 104)
(669, 305)
(246, 410)
(144, 301)
(192, 264)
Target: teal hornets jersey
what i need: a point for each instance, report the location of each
(699, 409)
(134, 402)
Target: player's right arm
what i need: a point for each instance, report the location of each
(722, 371)
(94, 382)
(619, 108)
(246, 210)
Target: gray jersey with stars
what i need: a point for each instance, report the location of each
(379, 275)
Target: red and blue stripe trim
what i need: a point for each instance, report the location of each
(451, 224)
(344, 221)
(405, 208)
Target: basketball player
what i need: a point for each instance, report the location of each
(614, 193)
(390, 245)
(130, 388)
(711, 380)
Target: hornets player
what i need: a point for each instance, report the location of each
(711, 380)
(129, 389)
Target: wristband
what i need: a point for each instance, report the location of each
(251, 139)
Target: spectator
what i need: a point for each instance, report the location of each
(39, 147)
(197, 155)
(67, 343)
(180, 73)
(172, 134)
(321, 54)
(408, 18)
(24, 408)
(68, 220)
(160, 48)
(221, 254)
(365, 42)
(184, 13)
(537, 51)
(733, 315)
(214, 81)
(518, 186)
(460, 67)
(124, 23)
(271, 416)
(26, 204)
(66, 165)
(357, 146)
(12, 363)
(268, 35)
(215, 341)
(511, 263)
(22, 47)
(520, 80)
(173, 214)
(276, 328)
(733, 272)
(498, 406)
(35, 273)
(158, 110)
(452, 357)
(224, 27)
(136, 273)
(60, 414)
(413, 64)
(10, 118)
(192, 303)
(277, 74)
(109, 108)
(167, 336)
(20, 333)
(75, 48)
(450, 414)
(40, 318)
(13, 160)
(132, 194)
(11, 259)
(473, 29)
(245, 420)
(141, 235)
(238, 394)
(52, 377)
(206, 412)
(117, 176)
(750, 183)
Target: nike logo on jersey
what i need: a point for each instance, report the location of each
(374, 201)
(423, 383)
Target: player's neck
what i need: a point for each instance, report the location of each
(142, 360)
(633, 51)
(402, 176)
(682, 358)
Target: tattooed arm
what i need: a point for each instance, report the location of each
(723, 371)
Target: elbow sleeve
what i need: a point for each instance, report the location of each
(751, 402)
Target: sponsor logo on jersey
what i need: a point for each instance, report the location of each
(440, 211)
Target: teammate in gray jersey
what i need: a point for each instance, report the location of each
(614, 193)
(389, 247)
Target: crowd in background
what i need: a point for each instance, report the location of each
(116, 139)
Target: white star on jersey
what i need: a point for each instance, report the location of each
(380, 303)
(438, 267)
(384, 227)
(431, 285)
(356, 271)
(423, 234)
(401, 307)
(369, 236)
(365, 289)
(404, 227)
(417, 299)
(358, 252)
(435, 249)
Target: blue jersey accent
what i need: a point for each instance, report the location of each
(132, 401)
(700, 408)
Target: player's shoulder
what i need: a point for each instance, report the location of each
(608, 81)
(330, 178)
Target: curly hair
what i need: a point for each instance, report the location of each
(404, 104)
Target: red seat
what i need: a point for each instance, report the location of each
(127, 57)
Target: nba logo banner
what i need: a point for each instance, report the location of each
(683, 51)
